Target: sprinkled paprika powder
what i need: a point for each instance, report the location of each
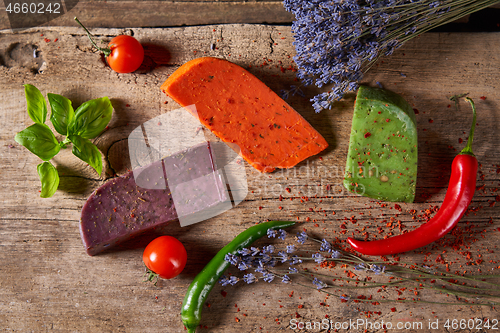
(458, 197)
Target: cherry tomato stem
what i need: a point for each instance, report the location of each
(106, 51)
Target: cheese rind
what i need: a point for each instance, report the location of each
(245, 113)
(382, 157)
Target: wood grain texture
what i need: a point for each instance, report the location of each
(49, 284)
(159, 13)
(126, 13)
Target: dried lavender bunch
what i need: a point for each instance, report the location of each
(263, 264)
(338, 41)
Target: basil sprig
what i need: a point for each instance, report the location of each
(79, 126)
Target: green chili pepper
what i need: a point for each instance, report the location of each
(208, 277)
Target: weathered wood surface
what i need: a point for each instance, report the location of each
(160, 13)
(49, 284)
(154, 13)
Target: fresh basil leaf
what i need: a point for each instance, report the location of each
(49, 178)
(91, 118)
(87, 152)
(39, 139)
(37, 107)
(62, 114)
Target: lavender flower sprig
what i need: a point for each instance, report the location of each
(338, 41)
(263, 262)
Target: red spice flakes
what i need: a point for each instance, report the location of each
(301, 306)
(387, 120)
(237, 319)
(291, 293)
(483, 98)
(288, 190)
(416, 111)
(223, 293)
(393, 309)
(431, 121)
(350, 274)
(46, 40)
(367, 134)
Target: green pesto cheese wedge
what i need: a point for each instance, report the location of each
(382, 157)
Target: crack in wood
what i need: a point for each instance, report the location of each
(271, 44)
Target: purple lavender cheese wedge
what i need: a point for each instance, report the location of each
(186, 185)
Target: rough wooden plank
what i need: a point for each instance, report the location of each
(127, 13)
(47, 281)
(124, 14)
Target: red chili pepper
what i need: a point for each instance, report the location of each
(458, 197)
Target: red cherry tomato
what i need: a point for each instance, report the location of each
(126, 54)
(166, 256)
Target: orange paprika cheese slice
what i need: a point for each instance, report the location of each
(245, 113)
